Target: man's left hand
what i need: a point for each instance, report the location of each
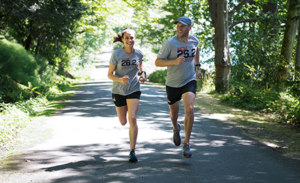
(199, 74)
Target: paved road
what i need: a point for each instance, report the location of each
(89, 145)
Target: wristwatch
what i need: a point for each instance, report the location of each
(197, 65)
(140, 73)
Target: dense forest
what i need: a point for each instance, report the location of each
(253, 47)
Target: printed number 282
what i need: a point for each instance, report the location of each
(127, 62)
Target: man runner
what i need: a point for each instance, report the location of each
(179, 54)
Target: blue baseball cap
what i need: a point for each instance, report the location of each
(184, 20)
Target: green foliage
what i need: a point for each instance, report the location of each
(253, 99)
(203, 84)
(16, 62)
(11, 91)
(283, 105)
(158, 76)
(16, 116)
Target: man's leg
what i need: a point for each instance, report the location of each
(174, 110)
(188, 100)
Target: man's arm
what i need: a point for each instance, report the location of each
(197, 61)
(159, 62)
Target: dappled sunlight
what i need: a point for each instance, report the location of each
(155, 96)
(161, 114)
(221, 117)
(210, 154)
(225, 136)
(127, 174)
(255, 121)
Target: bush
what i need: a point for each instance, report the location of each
(283, 105)
(205, 83)
(11, 91)
(158, 76)
(17, 63)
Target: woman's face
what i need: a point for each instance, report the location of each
(128, 39)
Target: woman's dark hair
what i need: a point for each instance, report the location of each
(119, 37)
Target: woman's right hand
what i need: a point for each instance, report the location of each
(125, 79)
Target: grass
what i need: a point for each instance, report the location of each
(260, 126)
(57, 102)
(23, 137)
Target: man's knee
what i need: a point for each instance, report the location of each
(189, 110)
(173, 113)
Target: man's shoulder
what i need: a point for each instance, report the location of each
(171, 41)
(193, 38)
(174, 38)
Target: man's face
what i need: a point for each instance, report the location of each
(183, 30)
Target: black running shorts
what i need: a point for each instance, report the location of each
(175, 94)
(120, 100)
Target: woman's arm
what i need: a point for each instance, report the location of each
(143, 77)
(113, 77)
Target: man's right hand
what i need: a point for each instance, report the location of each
(180, 60)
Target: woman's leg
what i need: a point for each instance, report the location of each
(133, 105)
(122, 114)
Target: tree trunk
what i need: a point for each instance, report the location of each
(297, 60)
(28, 42)
(67, 74)
(37, 49)
(219, 13)
(288, 42)
(270, 29)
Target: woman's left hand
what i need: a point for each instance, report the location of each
(143, 78)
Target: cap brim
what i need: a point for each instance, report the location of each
(180, 22)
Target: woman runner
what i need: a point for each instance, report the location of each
(125, 66)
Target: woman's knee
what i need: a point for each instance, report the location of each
(123, 121)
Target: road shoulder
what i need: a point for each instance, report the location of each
(282, 138)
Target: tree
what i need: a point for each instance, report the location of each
(297, 60)
(288, 42)
(42, 25)
(219, 15)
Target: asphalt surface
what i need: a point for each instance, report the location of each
(88, 144)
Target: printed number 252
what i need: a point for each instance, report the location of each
(186, 53)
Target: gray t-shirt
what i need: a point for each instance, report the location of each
(179, 75)
(126, 65)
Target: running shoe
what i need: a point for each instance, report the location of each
(132, 156)
(176, 136)
(186, 150)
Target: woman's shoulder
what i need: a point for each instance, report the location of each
(116, 52)
(138, 52)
